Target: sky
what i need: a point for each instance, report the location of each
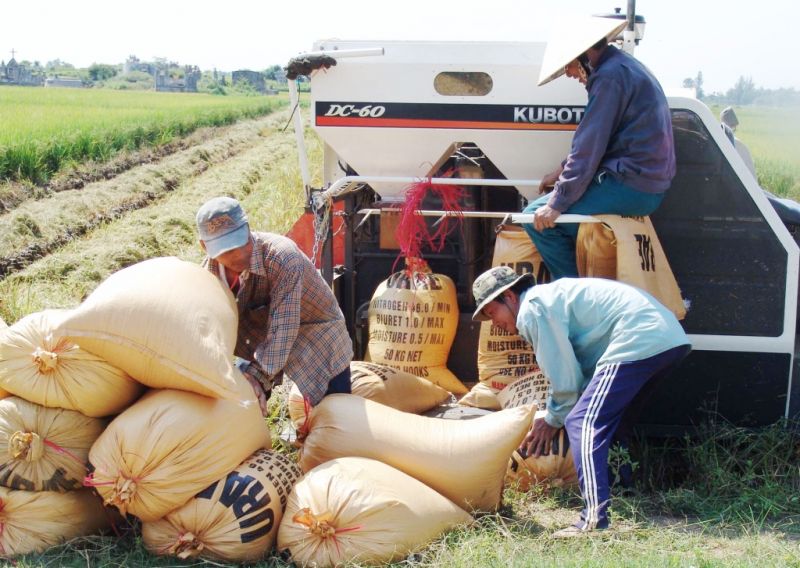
(682, 37)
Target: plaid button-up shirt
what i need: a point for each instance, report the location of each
(288, 318)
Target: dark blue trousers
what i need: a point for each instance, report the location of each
(340, 384)
(594, 419)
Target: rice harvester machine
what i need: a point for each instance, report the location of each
(392, 113)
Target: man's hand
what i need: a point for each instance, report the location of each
(548, 181)
(545, 218)
(537, 442)
(261, 396)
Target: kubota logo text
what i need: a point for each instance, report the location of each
(548, 115)
(366, 111)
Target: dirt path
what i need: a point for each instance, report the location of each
(147, 211)
(38, 227)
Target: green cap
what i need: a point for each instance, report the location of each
(489, 285)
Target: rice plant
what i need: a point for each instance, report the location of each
(45, 130)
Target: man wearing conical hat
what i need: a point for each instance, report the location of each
(622, 158)
(604, 346)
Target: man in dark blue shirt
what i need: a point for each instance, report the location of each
(622, 158)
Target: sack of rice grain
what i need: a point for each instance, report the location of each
(463, 460)
(172, 444)
(166, 322)
(529, 390)
(44, 449)
(383, 384)
(556, 469)
(628, 249)
(413, 318)
(234, 519)
(481, 396)
(361, 511)
(42, 366)
(33, 521)
(502, 357)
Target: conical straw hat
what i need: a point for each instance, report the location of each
(575, 39)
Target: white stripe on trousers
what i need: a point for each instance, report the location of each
(587, 439)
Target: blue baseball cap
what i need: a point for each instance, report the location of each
(222, 225)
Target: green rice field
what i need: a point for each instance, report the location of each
(45, 130)
(773, 137)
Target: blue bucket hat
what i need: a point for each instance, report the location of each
(222, 225)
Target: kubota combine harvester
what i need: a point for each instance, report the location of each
(393, 113)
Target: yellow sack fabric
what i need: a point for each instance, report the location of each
(361, 511)
(166, 322)
(463, 460)
(502, 357)
(382, 384)
(44, 449)
(3, 325)
(412, 325)
(556, 469)
(42, 366)
(629, 245)
(530, 390)
(235, 519)
(33, 521)
(481, 396)
(172, 444)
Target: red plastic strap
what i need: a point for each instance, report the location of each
(304, 429)
(412, 230)
(337, 531)
(66, 452)
(89, 481)
(2, 532)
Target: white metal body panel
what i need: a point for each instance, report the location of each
(406, 73)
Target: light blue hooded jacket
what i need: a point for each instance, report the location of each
(577, 325)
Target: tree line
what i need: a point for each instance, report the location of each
(744, 92)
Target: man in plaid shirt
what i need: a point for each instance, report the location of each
(289, 320)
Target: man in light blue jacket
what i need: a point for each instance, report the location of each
(599, 342)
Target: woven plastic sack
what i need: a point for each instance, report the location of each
(3, 325)
(382, 384)
(481, 396)
(361, 511)
(166, 322)
(412, 325)
(627, 249)
(34, 521)
(42, 366)
(556, 469)
(44, 449)
(172, 444)
(530, 390)
(235, 519)
(463, 460)
(503, 357)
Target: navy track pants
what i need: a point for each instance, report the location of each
(594, 419)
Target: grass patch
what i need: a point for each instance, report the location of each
(166, 227)
(773, 136)
(725, 498)
(46, 129)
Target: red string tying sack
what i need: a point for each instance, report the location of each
(412, 230)
(321, 526)
(303, 431)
